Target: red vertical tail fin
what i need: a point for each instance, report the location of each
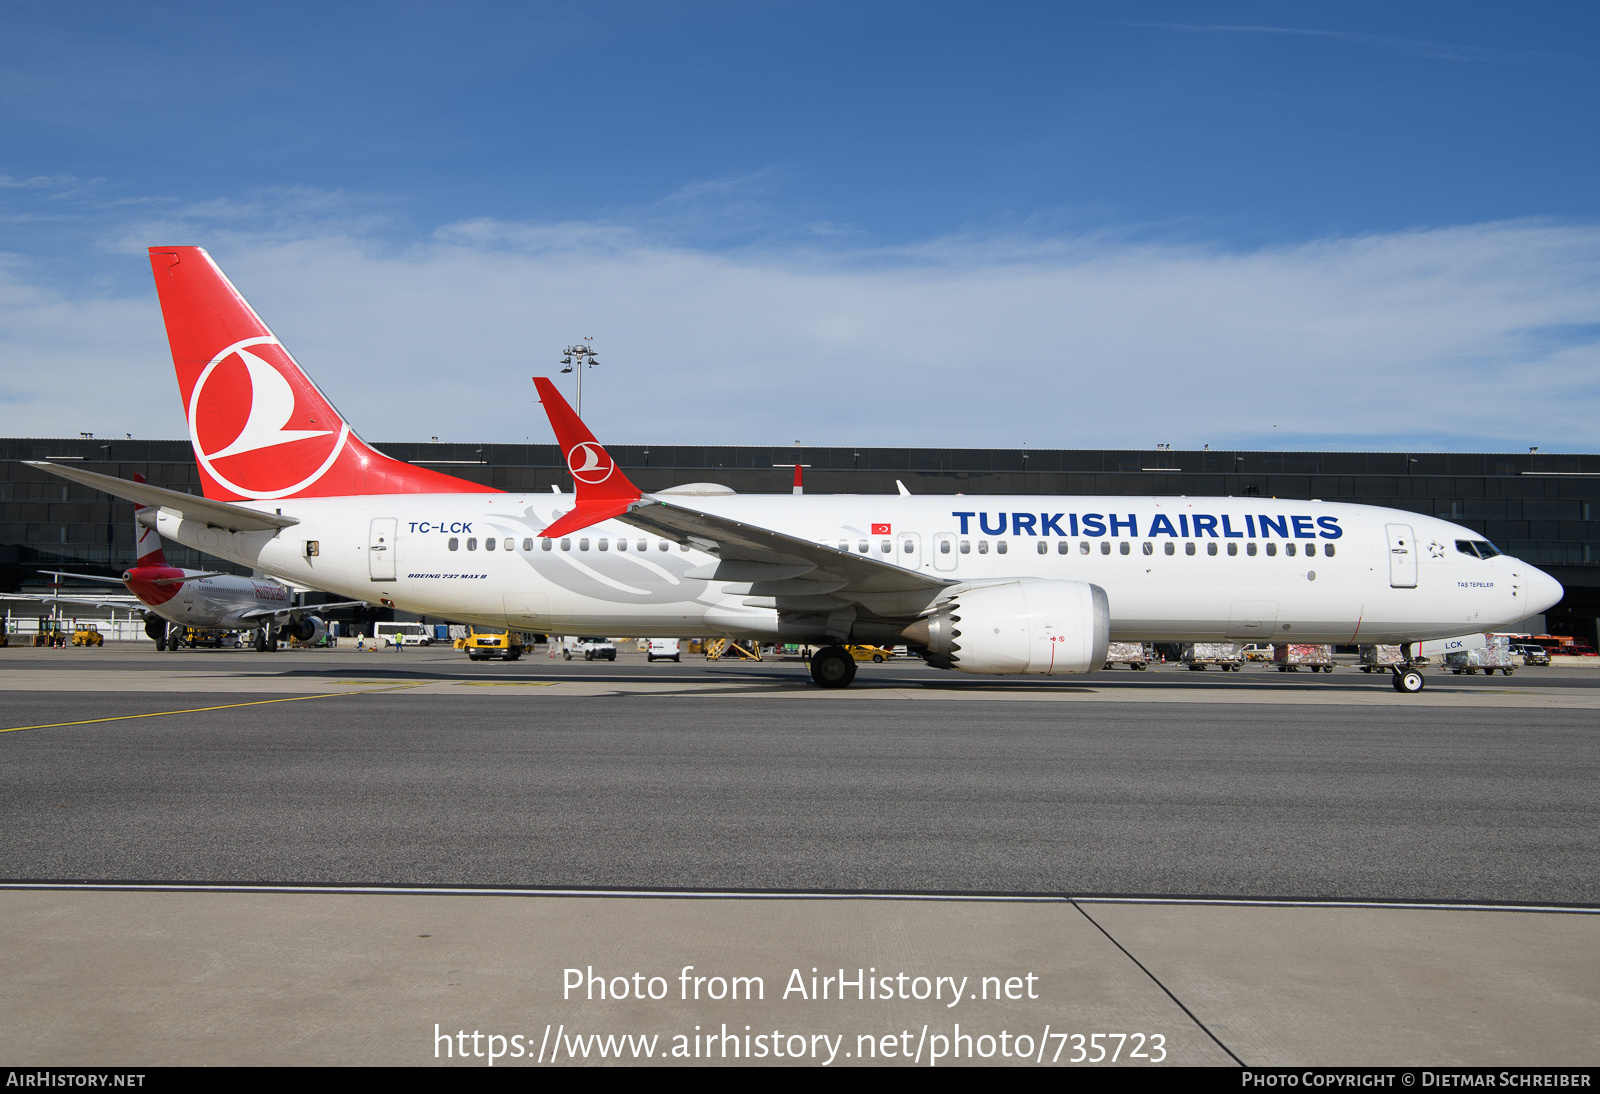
(147, 544)
(260, 428)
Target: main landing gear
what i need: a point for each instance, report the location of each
(1408, 679)
(833, 667)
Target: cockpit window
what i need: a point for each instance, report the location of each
(1478, 548)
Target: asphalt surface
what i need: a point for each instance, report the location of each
(523, 786)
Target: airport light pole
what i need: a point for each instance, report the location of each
(576, 358)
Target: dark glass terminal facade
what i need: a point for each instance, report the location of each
(1544, 508)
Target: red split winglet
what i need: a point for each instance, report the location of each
(603, 491)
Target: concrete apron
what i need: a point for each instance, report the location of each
(127, 979)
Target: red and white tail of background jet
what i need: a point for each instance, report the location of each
(147, 544)
(261, 429)
(602, 490)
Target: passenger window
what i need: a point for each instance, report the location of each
(909, 548)
(1250, 549)
(944, 546)
(683, 547)
(885, 546)
(544, 544)
(1000, 545)
(1062, 547)
(983, 546)
(1169, 548)
(1125, 548)
(488, 544)
(583, 544)
(1288, 549)
(1105, 547)
(661, 545)
(1211, 548)
(1233, 548)
(1311, 549)
(966, 546)
(472, 543)
(862, 546)
(1272, 549)
(1083, 546)
(622, 544)
(642, 545)
(455, 544)
(1327, 549)
(566, 545)
(844, 545)
(1044, 548)
(1150, 548)
(602, 543)
(527, 544)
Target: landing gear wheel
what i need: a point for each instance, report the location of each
(1409, 681)
(261, 640)
(833, 667)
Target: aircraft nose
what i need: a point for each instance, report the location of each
(1543, 591)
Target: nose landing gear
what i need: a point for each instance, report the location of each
(1408, 680)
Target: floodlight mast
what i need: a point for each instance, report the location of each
(576, 358)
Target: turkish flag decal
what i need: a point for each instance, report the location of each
(880, 530)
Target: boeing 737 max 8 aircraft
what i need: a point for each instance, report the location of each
(985, 584)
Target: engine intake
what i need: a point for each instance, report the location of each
(1031, 626)
(308, 628)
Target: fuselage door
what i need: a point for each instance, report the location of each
(1253, 619)
(944, 551)
(380, 548)
(1402, 556)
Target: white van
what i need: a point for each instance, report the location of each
(593, 649)
(665, 649)
(402, 634)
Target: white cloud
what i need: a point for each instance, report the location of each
(1474, 337)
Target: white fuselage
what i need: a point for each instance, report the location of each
(1229, 568)
(221, 602)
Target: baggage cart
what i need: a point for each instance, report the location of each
(1291, 657)
(1225, 655)
(1496, 655)
(1133, 654)
(1381, 658)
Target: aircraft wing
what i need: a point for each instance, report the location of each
(220, 514)
(130, 602)
(795, 576)
(767, 558)
(304, 609)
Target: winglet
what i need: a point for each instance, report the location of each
(603, 491)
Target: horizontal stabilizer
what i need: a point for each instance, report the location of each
(220, 514)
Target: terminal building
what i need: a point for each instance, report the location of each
(1540, 507)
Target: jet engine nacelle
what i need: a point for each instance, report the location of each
(154, 626)
(308, 628)
(1029, 626)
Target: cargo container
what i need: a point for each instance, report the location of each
(1291, 656)
(1133, 654)
(1225, 655)
(1496, 655)
(1381, 658)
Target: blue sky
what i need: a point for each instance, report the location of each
(1237, 224)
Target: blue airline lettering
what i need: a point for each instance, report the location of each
(1048, 521)
(1161, 526)
(1250, 523)
(440, 526)
(983, 524)
(1094, 524)
(1021, 522)
(1227, 529)
(1073, 518)
(1281, 526)
(1303, 528)
(1330, 526)
(963, 518)
(1205, 526)
(1183, 523)
(1131, 524)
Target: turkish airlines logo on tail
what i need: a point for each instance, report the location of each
(589, 463)
(258, 425)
